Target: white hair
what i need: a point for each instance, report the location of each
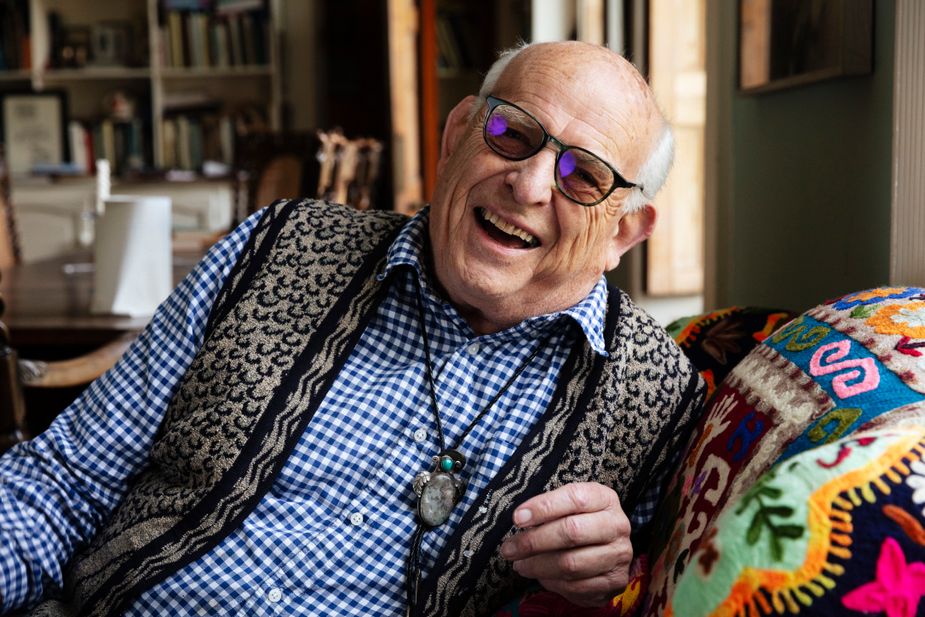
(653, 172)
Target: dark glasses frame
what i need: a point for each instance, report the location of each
(618, 180)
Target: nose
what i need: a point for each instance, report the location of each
(532, 180)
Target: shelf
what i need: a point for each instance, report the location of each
(252, 70)
(17, 75)
(97, 72)
(248, 80)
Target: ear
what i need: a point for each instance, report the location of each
(455, 128)
(632, 229)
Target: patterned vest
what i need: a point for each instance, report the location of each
(286, 320)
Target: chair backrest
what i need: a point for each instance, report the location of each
(323, 164)
(349, 169)
(271, 166)
(12, 405)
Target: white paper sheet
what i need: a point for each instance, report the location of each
(134, 260)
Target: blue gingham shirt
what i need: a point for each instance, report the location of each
(332, 535)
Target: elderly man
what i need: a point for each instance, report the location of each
(341, 413)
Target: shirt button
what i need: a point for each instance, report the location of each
(274, 595)
(483, 510)
(467, 554)
(356, 518)
(473, 349)
(420, 435)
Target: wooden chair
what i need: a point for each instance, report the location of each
(349, 169)
(16, 375)
(9, 239)
(270, 166)
(324, 164)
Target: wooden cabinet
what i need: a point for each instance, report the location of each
(453, 43)
(459, 41)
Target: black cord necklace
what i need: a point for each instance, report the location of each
(440, 489)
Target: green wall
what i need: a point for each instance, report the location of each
(804, 192)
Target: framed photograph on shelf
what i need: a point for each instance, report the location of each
(788, 43)
(33, 128)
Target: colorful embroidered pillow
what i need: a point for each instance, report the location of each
(717, 341)
(831, 531)
(851, 364)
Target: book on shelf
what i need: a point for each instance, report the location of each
(121, 142)
(187, 5)
(175, 28)
(238, 6)
(81, 147)
(15, 46)
(216, 38)
(191, 138)
(457, 38)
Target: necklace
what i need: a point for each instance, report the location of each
(440, 489)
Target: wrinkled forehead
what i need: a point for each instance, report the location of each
(588, 97)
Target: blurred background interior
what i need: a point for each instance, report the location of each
(799, 136)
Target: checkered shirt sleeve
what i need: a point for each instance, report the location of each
(56, 489)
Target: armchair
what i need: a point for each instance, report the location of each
(802, 488)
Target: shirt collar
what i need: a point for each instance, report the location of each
(407, 250)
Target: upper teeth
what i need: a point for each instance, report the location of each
(508, 228)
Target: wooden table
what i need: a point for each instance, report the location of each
(48, 306)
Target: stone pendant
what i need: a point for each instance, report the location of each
(439, 490)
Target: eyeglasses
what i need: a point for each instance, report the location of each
(581, 176)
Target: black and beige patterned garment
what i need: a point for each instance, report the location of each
(285, 322)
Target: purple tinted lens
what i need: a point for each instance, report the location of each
(566, 164)
(497, 125)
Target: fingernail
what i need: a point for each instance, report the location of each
(506, 550)
(522, 517)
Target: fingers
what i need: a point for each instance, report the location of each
(575, 541)
(574, 498)
(608, 560)
(578, 530)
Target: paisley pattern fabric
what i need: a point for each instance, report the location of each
(849, 366)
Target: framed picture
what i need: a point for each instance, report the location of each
(33, 127)
(787, 43)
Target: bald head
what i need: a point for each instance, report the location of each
(612, 95)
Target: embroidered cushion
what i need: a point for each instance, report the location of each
(851, 364)
(830, 531)
(717, 341)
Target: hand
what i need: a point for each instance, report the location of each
(575, 542)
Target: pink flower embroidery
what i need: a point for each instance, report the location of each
(898, 587)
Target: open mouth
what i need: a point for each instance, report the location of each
(505, 233)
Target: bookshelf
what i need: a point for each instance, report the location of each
(458, 43)
(138, 67)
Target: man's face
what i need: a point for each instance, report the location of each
(507, 244)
